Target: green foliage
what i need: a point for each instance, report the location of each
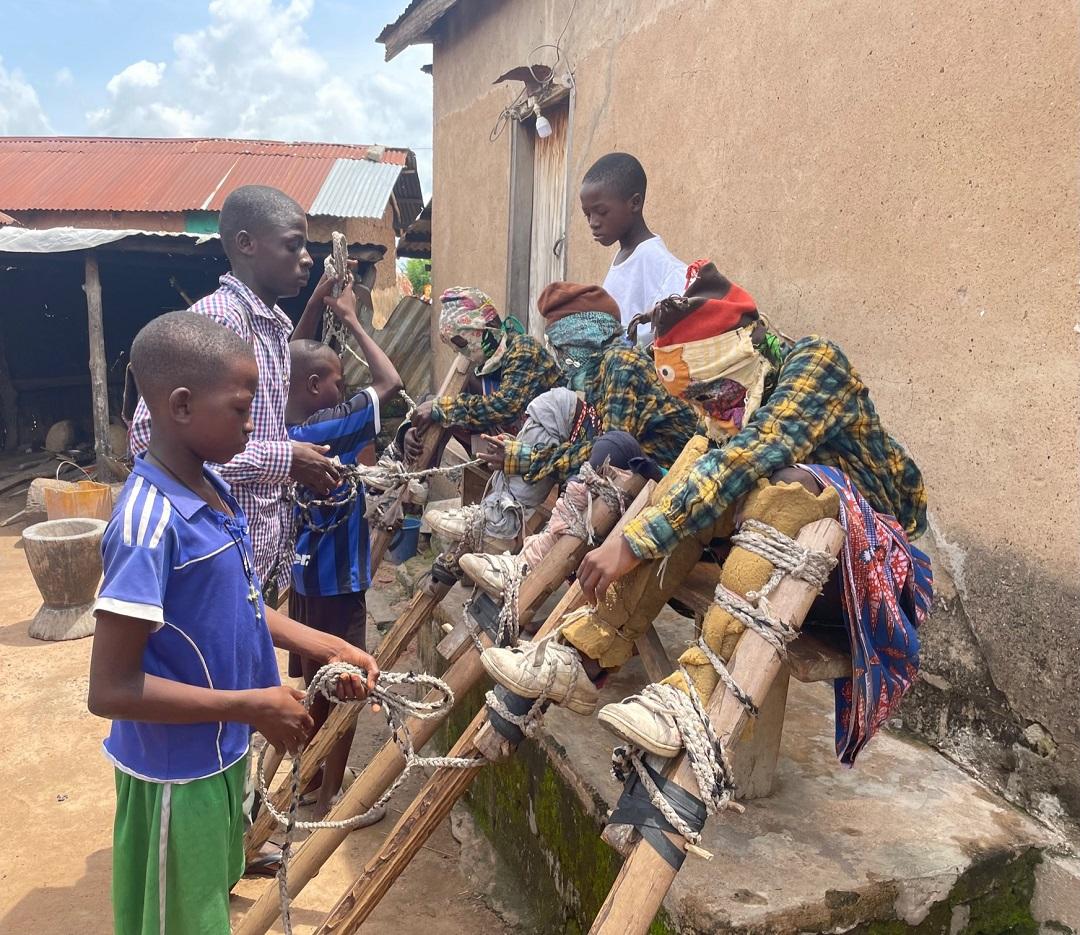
(419, 273)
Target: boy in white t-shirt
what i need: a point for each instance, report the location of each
(644, 271)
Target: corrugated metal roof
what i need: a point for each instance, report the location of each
(416, 241)
(356, 188)
(106, 174)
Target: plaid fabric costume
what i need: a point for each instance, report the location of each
(886, 595)
(527, 371)
(819, 412)
(627, 396)
(258, 474)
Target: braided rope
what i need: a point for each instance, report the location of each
(397, 709)
(509, 623)
(597, 485)
(706, 754)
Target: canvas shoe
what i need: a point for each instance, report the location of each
(452, 525)
(491, 572)
(527, 669)
(643, 722)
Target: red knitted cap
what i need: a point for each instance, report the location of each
(712, 305)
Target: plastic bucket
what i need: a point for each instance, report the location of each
(406, 540)
(85, 498)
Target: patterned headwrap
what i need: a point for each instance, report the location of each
(703, 355)
(578, 340)
(470, 314)
(582, 322)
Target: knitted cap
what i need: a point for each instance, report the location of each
(560, 299)
(711, 305)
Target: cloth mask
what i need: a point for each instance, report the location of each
(723, 377)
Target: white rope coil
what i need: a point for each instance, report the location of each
(397, 709)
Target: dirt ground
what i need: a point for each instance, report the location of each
(56, 803)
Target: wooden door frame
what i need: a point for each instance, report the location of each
(519, 221)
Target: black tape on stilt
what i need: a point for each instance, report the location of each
(515, 704)
(635, 808)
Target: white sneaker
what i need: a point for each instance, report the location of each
(491, 572)
(454, 524)
(643, 722)
(528, 669)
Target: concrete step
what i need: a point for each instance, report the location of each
(905, 841)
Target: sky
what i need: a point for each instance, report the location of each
(269, 69)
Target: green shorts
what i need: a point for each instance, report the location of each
(178, 848)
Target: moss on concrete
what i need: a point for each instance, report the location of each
(551, 840)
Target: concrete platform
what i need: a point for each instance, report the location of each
(906, 841)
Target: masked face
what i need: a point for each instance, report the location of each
(723, 377)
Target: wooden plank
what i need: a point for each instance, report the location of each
(414, 26)
(646, 877)
(99, 371)
(519, 243)
(465, 672)
(811, 660)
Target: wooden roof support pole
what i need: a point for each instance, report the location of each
(439, 794)
(464, 673)
(646, 877)
(99, 376)
(452, 385)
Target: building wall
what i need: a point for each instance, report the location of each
(901, 177)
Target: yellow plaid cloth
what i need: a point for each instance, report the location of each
(527, 371)
(820, 412)
(627, 396)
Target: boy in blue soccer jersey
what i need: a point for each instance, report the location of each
(331, 568)
(183, 658)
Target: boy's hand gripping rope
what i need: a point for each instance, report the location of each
(397, 710)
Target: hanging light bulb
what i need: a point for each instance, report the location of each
(543, 125)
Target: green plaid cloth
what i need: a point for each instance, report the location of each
(820, 412)
(627, 396)
(527, 371)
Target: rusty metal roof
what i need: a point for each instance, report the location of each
(165, 175)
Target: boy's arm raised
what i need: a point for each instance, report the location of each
(384, 376)
(121, 690)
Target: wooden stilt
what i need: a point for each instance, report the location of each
(452, 385)
(439, 794)
(645, 877)
(342, 718)
(465, 672)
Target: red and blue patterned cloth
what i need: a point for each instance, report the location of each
(887, 591)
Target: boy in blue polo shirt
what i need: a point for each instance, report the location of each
(331, 567)
(183, 657)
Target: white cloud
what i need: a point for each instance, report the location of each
(64, 78)
(252, 73)
(140, 76)
(20, 109)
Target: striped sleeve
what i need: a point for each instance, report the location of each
(138, 550)
(346, 428)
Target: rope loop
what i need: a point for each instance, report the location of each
(397, 709)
